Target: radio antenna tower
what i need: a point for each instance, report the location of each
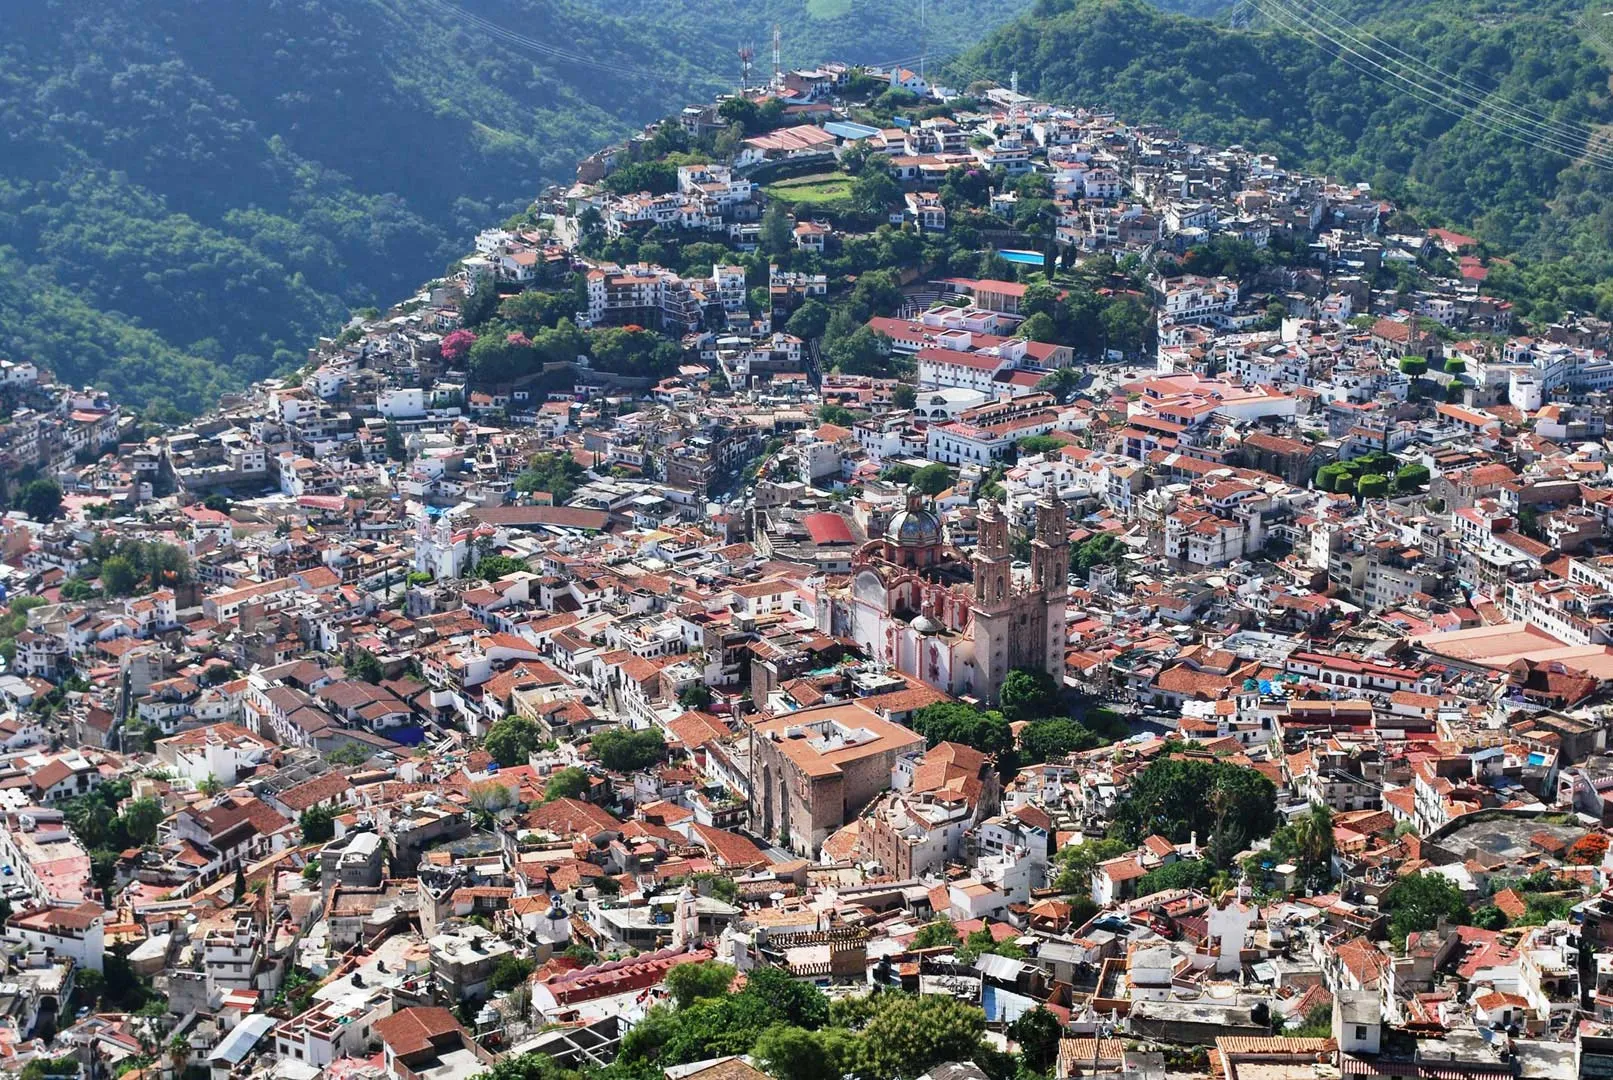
(777, 66)
(747, 53)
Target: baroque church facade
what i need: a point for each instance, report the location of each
(955, 622)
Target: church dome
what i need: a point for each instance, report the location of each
(926, 625)
(914, 527)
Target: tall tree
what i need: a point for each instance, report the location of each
(687, 983)
(777, 236)
(1227, 805)
(567, 783)
(809, 321)
(141, 819)
(318, 824)
(395, 450)
(793, 1053)
(1028, 694)
(1419, 901)
(512, 740)
(1037, 1032)
(41, 500)
(908, 1035)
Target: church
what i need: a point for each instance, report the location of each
(957, 623)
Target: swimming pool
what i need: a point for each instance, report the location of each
(1027, 258)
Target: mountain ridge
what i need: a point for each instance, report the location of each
(212, 187)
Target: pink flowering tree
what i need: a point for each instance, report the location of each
(456, 345)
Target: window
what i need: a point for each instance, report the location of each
(1360, 1031)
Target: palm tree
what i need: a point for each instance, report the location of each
(86, 821)
(179, 1053)
(1313, 835)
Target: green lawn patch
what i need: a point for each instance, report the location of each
(817, 188)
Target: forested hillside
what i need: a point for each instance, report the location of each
(1274, 86)
(192, 191)
(812, 31)
(224, 181)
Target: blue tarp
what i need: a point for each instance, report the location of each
(408, 734)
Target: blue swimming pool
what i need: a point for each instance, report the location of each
(1028, 258)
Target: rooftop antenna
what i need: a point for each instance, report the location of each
(922, 46)
(747, 53)
(777, 67)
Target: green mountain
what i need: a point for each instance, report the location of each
(224, 182)
(1446, 145)
(813, 31)
(192, 191)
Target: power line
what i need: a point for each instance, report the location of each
(1546, 119)
(1499, 120)
(546, 49)
(886, 65)
(1467, 106)
(1462, 88)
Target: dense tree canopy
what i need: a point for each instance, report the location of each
(41, 500)
(130, 566)
(1037, 1032)
(1028, 694)
(318, 824)
(1182, 874)
(688, 983)
(567, 783)
(1419, 901)
(512, 740)
(932, 479)
(493, 567)
(1103, 549)
(953, 721)
(624, 750)
(909, 1035)
(553, 472)
(1226, 806)
(935, 934)
(176, 222)
(1054, 737)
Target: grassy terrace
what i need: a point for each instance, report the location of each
(816, 188)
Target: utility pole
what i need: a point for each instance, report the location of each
(778, 68)
(921, 42)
